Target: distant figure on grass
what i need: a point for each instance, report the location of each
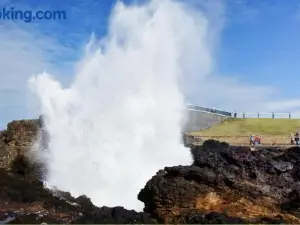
(297, 138)
(255, 140)
(292, 139)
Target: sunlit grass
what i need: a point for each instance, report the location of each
(241, 127)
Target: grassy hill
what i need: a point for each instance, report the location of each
(238, 130)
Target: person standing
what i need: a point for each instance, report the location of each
(297, 138)
(292, 139)
(252, 140)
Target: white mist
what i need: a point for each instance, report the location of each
(120, 120)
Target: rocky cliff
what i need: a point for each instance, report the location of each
(253, 186)
(225, 184)
(23, 198)
(17, 139)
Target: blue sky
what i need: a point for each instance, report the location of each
(261, 44)
(255, 57)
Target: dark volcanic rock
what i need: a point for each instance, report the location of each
(17, 140)
(225, 184)
(255, 186)
(116, 215)
(15, 145)
(23, 198)
(24, 201)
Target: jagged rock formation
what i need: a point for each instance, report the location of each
(254, 186)
(225, 184)
(23, 198)
(17, 139)
(23, 201)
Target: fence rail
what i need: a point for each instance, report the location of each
(273, 115)
(209, 110)
(285, 115)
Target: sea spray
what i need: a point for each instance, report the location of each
(120, 120)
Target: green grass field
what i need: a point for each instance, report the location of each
(241, 127)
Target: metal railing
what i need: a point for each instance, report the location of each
(209, 110)
(274, 115)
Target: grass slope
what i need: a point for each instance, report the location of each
(241, 127)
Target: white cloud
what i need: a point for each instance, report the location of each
(26, 51)
(232, 94)
(229, 92)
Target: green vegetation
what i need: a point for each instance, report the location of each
(240, 127)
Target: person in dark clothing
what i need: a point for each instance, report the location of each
(252, 140)
(297, 138)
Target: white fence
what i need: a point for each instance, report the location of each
(274, 115)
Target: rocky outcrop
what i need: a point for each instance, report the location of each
(17, 140)
(23, 201)
(254, 186)
(225, 184)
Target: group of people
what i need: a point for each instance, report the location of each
(295, 139)
(255, 140)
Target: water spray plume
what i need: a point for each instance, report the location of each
(120, 120)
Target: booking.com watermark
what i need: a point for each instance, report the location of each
(29, 15)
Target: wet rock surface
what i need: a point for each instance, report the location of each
(225, 184)
(24, 201)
